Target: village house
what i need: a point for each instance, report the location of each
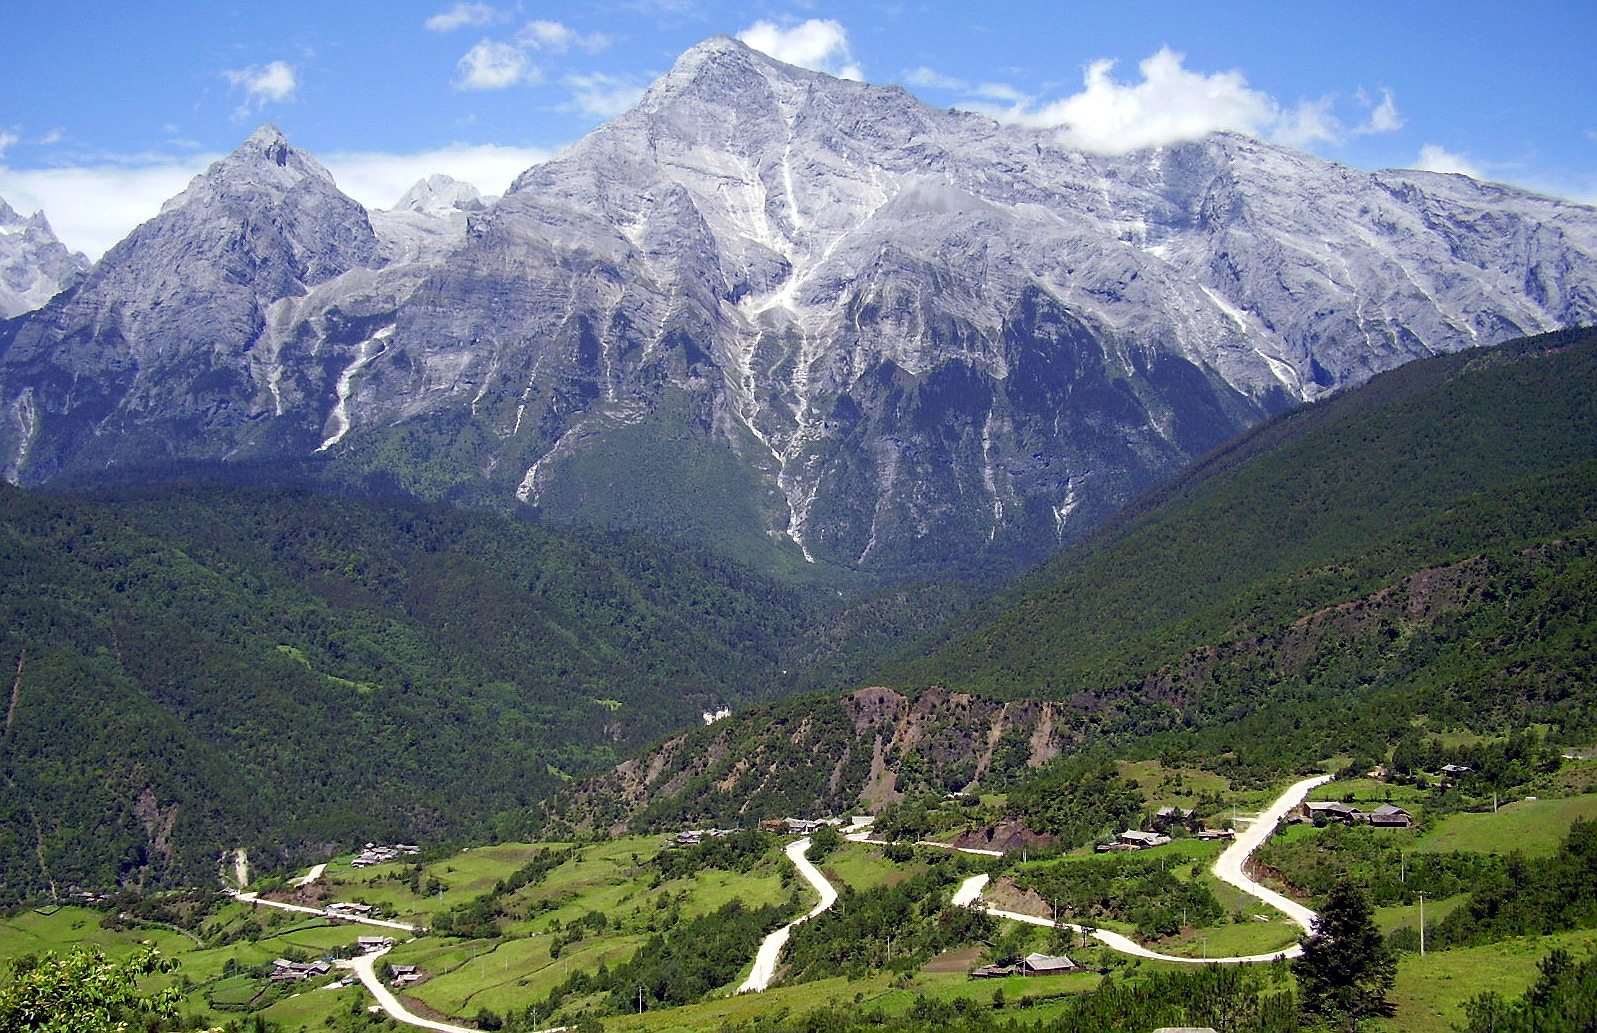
(373, 944)
(403, 975)
(1030, 965)
(349, 910)
(1139, 840)
(375, 853)
(1390, 816)
(1332, 810)
(692, 837)
(1217, 833)
(1172, 816)
(284, 970)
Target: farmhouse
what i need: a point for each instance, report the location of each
(1139, 840)
(1331, 810)
(284, 970)
(1391, 816)
(1030, 965)
(348, 910)
(1046, 965)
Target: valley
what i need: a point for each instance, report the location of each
(561, 909)
(804, 560)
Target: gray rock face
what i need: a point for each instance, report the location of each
(795, 315)
(164, 347)
(429, 221)
(34, 265)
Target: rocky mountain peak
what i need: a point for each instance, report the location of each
(791, 312)
(270, 143)
(34, 265)
(265, 167)
(438, 194)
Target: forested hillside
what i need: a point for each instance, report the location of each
(194, 669)
(1426, 540)
(1421, 548)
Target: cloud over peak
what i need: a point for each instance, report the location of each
(819, 44)
(274, 82)
(1435, 158)
(1166, 103)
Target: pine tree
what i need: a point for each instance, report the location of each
(1346, 969)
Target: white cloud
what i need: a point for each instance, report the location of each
(603, 96)
(459, 15)
(1167, 104)
(92, 207)
(820, 44)
(998, 91)
(378, 180)
(6, 140)
(1384, 117)
(933, 80)
(269, 83)
(1434, 158)
(559, 38)
(1309, 123)
(1170, 103)
(491, 65)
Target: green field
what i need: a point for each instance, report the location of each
(1532, 827)
(1430, 991)
(620, 880)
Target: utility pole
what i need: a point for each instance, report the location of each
(1422, 925)
(640, 1000)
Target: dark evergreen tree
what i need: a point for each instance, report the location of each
(1346, 969)
(1564, 1000)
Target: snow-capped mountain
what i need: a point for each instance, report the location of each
(781, 311)
(429, 221)
(34, 265)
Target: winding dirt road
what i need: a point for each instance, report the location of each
(771, 947)
(365, 967)
(1228, 867)
(251, 898)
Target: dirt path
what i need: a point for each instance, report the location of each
(251, 898)
(310, 876)
(1229, 867)
(16, 690)
(771, 947)
(365, 967)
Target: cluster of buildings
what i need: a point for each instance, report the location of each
(374, 853)
(799, 826)
(349, 911)
(284, 970)
(1320, 811)
(1030, 965)
(693, 837)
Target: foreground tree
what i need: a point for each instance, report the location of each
(83, 992)
(1346, 969)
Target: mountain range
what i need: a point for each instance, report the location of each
(1411, 556)
(812, 322)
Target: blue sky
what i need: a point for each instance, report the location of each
(107, 108)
